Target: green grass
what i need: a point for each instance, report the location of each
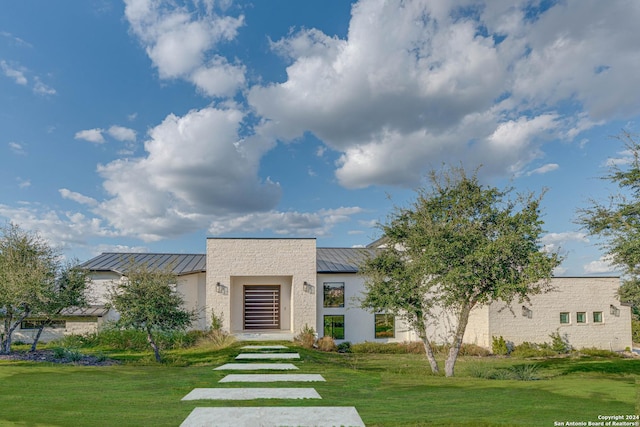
(386, 389)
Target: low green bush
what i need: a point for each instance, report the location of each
(344, 347)
(499, 346)
(596, 352)
(527, 350)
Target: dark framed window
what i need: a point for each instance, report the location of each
(333, 294)
(334, 326)
(385, 326)
(581, 317)
(35, 324)
(564, 317)
(597, 317)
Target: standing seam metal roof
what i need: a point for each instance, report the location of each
(328, 260)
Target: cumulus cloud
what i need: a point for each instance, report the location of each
(91, 135)
(553, 241)
(181, 43)
(285, 223)
(23, 183)
(196, 167)
(61, 228)
(418, 83)
(42, 89)
(602, 265)
(122, 133)
(15, 73)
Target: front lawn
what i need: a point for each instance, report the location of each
(386, 389)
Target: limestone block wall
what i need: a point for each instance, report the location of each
(571, 295)
(74, 326)
(262, 259)
(477, 331)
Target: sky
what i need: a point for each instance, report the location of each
(149, 125)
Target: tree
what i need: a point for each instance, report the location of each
(69, 290)
(459, 246)
(618, 221)
(147, 300)
(27, 272)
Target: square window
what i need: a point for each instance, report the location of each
(333, 294)
(597, 317)
(564, 317)
(334, 327)
(385, 326)
(581, 317)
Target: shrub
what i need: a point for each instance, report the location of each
(635, 330)
(596, 352)
(307, 337)
(216, 322)
(412, 347)
(473, 350)
(560, 343)
(344, 347)
(499, 346)
(326, 344)
(527, 349)
(528, 372)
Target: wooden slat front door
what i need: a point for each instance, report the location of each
(261, 307)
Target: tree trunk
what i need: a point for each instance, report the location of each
(422, 332)
(154, 346)
(9, 327)
(463, 319)
(37, 337)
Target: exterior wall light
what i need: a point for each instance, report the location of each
(614, 310)
(308, 287)
(221, 289)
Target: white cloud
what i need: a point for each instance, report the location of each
(602, 265)
(285, 223)
(197, 168)
(122, 133)
(91, 135)
(17, 40)
(61, 229)
(17, 148)
(23, 183)
(549, 167)
(554, 241)
(415, 84)
(102, 248)
(77, 197)
(181, 43)
(15, 73)
(42, 89)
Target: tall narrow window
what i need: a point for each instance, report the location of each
(581, 317)
(564, 317)
(333, 294)
(597, 317)
(334, 327)
(385, 326)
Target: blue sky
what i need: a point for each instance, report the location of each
(149, 125)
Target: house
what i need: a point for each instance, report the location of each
(273, 288)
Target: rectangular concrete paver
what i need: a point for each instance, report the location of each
(267, 378)
(251, 393)
(265, 356)
(318, 416)
(264, 347)
(255, 366)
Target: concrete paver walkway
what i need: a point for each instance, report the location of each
(255, 366)
(318, 416)
(264, 347)
(267, 356)
(251, 393)
(268, 378)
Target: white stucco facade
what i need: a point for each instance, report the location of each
(320, 288)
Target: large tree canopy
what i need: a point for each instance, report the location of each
(28, 267)
(618, 221)
(458, 246)
(147, 300)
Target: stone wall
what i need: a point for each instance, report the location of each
(290, 260)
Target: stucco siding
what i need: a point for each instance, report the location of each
(571, 295)
(291, 260)
(359, 324)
